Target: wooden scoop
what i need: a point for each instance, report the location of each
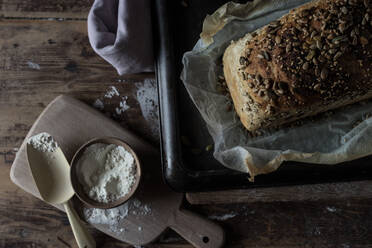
(51, 173)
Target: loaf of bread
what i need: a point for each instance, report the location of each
(316, 58)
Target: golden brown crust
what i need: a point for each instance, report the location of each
(317, 57)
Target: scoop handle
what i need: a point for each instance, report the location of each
(199, 231)
(83, 238)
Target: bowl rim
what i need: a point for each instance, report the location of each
(77, 186)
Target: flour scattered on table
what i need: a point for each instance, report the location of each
(246, 211)
(222, 217)
(147, 97)
(33, 65)
(98, 104)
(123, 106)
(43, 142)
(111, 91)
(55, 19)
(331, 209)
(317, 231)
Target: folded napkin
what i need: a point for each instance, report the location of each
(120, 32)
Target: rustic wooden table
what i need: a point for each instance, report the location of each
(44, 53)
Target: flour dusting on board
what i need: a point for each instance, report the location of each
(111, 91)
(110, 217)
(147, 97)
(139, 208)
(113, 216)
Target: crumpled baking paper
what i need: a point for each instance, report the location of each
(342, 136)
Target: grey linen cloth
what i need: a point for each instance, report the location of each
(120, 32)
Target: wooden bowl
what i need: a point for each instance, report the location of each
(79, 190)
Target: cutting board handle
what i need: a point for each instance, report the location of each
(199, 231)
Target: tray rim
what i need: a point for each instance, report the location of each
(171, 154)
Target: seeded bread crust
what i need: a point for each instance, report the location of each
(316, 58)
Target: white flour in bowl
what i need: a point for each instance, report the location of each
(43, 142)
(107, 172)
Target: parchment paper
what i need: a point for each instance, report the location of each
(330, 139)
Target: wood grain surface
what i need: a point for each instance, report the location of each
(45, 8)
(68, 65)
(309, 192)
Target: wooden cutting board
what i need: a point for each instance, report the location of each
(72, 123)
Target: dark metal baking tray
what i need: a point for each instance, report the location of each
(177, 25)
